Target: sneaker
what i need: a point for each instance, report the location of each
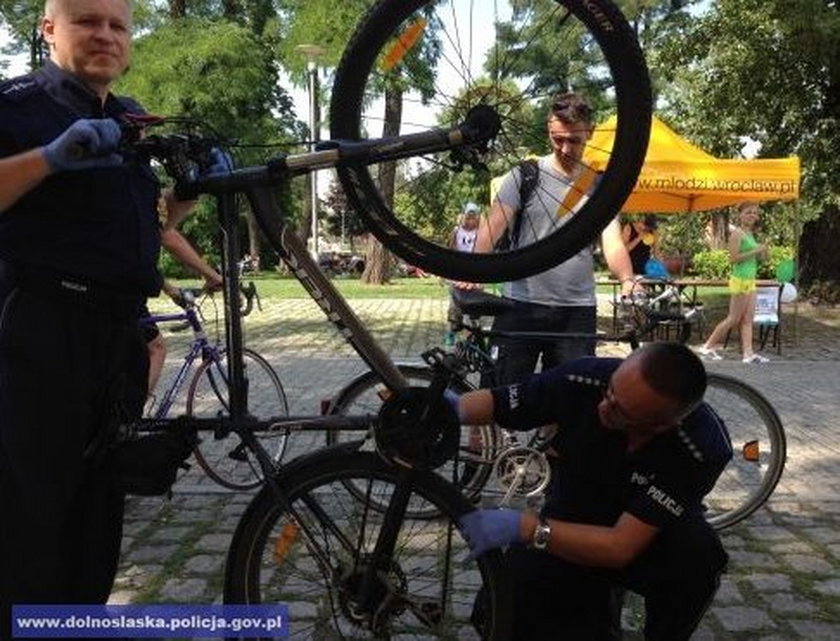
(755, 358)
(709, 354)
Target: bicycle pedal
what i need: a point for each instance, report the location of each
(238, 455)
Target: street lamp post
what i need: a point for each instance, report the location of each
(311, 52)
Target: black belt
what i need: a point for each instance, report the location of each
(72, 290)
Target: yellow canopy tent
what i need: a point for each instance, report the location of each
(679, 177)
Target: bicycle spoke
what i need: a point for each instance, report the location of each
(446, 57)
(414, 572)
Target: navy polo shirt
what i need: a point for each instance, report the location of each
(99, 225)
(595, 478)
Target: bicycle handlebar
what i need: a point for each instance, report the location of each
(185, 155)
(479, 303)
(189, 297)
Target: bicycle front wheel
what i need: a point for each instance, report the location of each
(479, 443)
(227, 461)
(316, 560)
(759, 451)
(414, 65)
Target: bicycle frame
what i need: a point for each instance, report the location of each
(256, 185)
(200, 346)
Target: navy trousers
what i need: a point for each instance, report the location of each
(61, 366)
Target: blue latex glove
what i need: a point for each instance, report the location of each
(486, 530)
(85, 144)
(454, 401)
(221, 164)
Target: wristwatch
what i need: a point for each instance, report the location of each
(542, 535)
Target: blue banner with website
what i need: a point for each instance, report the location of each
(148, 621)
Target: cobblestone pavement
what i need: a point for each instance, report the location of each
(783, 582)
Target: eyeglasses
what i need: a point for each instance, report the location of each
(620, 414)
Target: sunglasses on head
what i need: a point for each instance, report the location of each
(579, 109)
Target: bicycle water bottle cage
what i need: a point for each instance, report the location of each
(416, 429)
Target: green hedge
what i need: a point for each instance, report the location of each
(714, 264)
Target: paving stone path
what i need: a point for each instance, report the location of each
(784, 578)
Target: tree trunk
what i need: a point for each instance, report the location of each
(719, 231)
(378, 263)
(230, 9)
(818, 249)
(177, 8)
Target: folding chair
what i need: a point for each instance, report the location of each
(767, 316)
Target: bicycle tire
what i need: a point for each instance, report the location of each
(756, 433)
(415, 221)
(362, 396)
(204, 399)
(270, 561)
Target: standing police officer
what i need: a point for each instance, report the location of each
(78, 250)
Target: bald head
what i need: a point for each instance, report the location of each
(672, 370)
(51, 6)
(89, 38)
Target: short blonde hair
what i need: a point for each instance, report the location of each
(51, 5)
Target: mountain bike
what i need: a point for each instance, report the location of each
(499, 466)
(227, 461)
(350, 570)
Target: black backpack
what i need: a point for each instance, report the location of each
(529, 174)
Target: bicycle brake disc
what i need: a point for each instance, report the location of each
(415, 430)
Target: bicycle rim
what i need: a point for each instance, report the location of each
(419, 64)
(478, 445)
(427, 590)
(226, 460)
(759, 451)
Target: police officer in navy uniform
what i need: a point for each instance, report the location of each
(78, 251)
(637, 450)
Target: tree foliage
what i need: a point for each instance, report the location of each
(765, 71)
(725, 72)
(184, 69)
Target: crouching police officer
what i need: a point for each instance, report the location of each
(637, 450)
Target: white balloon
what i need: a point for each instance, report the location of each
(789, 293)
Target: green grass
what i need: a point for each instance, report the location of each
(274, 286)
(279, 287)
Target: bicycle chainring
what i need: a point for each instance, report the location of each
(417, 431)
(522, 471)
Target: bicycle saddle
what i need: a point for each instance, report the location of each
(476, 302)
